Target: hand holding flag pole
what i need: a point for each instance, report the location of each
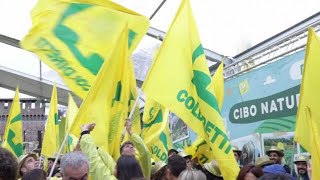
(130, 116)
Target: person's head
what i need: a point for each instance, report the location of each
(250, 172)
(51, 161)
(35, 174)
(128, 168)
(27, 162)
(74, 166)
(236, 152)
(172, 152)
(279, 176)
(212, 170)
(157, 166)
(192, 175)
(274, 169)
(160, 174)
(176, 164)
(8, 165)
(301, 163)
(56, 173)
(127, 148)
(263, 161)
(187, 158)
(275, 154)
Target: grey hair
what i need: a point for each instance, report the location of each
(192, 175)
(74, 160)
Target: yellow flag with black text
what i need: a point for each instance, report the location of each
(107, 101)
(51, 141)
(12, 137)
(75, 37)
(179, 80)
(307, 131)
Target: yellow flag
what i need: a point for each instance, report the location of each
(155, 131)
(307, 131)
(179, 79)
(136, 122)
(107, 100)
(12, 137)
(200, 150)
(51, 144)
(75, 37)
(217, 85)
(71, 114)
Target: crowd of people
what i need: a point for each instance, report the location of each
(89, 162)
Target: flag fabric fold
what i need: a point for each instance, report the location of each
(74, 38)
(12, 137)
(307, 131)
(179, 80)
(51, 139)
(107, 101)
(155, 132)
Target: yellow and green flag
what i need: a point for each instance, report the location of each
(307, 131)
(51, 141)
(75, 37)
(71, 114)
(155, 132)
(179, 80)
(12, 137)
(200, 150)
(107, 101)
(217, 85)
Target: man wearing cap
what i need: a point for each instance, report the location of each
(276, 155)
(263, 161)
(187, 158)
(212, 170)
(301, 163)
(236, 152)
(172, 152)
(27, 162)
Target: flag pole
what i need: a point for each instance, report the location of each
(131, 114)
(57, 156)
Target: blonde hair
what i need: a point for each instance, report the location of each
(192, 175)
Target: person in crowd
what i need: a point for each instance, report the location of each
(250, 172)
(276, 155)
(128, 168)
(263, 161)
(128, 148)
(190, 174)
(302, 167)
(172, 152)
(8, 165)
(35, 174)
(187, 158)
(212, 171)
(27, 162)
(276, 177)
(56, 173)
(236, 153)
(158, 170)
(50, 163)
(176, 164)
(102, 165)
(74, 165)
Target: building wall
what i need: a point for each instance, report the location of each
(33, 118)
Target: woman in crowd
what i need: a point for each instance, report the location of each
(128, 168)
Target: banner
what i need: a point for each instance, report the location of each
(264, 100)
